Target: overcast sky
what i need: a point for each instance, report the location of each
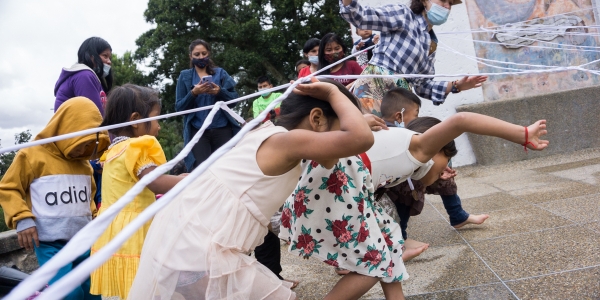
(38, 38)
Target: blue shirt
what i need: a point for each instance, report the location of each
(403, 46)
(205, 100)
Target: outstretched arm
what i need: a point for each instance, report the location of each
(424, 146)
(163, 183)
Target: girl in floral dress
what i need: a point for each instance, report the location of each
(332, 214)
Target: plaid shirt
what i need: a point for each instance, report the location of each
(403, 46)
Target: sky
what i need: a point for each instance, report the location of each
(38, 38)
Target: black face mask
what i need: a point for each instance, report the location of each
(200, 62)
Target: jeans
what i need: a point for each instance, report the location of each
(454, 209)
(209, 142)
(452, 205)
(269, 254)
(47, 250)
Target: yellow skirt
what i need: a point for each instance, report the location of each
(115, 276)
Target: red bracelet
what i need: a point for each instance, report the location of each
(527, 142)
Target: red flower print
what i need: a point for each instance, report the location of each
(300, 196)
(363, 233)
(341, 176)
(361, 205)
(304, 240)
(314, 164)
(339, 227)
(388, 241)
(334, 185)
(390, 271)
(309, 247)
(345, 237)
(286, 217)
(332, 262)
(373, 256)
(299, 208)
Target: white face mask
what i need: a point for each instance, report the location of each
(105, 70)
(313, 59)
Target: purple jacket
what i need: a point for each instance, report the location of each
(79, 80)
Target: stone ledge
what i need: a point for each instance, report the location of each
(11, 254)
(572, 124)
(9, 241)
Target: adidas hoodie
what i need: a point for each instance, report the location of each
(46, 186)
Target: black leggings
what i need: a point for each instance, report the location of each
(209, 142)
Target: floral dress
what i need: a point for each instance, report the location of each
(332, 216)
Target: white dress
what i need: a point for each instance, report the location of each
(197, 247)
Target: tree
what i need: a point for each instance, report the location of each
(249, 38)
(125, 70)
(7, 158)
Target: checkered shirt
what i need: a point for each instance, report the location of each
(403, 45)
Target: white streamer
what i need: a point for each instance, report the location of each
(85, 238)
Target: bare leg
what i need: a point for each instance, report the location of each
(352, 286)
(392, 291)
(473, 219)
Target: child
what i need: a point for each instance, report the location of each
(133, 153)
(197, 245)
(265, 99)
(367, 39)
(332, 213)
(47, 192)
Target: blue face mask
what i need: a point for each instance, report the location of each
(401, 124)
(264, 95)
(105, 70)
(437, 15)
(313, 59)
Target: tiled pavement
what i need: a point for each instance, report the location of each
(542, 240)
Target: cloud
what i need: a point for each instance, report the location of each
(41, 37)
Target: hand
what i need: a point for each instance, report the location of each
(376, 39)
(183, 174)
(376, 123)
(214, 89)
(469, 82)
(448, 173)
(201, 88)
(535, 132)
(360, 45)
(316, 89)
(26, 238)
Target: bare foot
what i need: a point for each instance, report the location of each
(410, 253)
(473, 219)
(410, 243)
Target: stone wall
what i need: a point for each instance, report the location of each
(572, 124)
(11, 254)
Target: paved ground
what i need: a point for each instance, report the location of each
(542, 240)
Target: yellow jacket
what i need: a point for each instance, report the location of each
(46, 186)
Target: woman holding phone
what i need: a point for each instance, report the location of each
(204, 84)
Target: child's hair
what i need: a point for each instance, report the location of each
(302, 61)
(310, 44)
(126, 100)
(328, 39)
(89, 55)
(296, 107)
(211, 65)
(262, 79)
(395, 99)
(422, 124)
(178, 169)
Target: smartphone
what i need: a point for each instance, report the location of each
(206, 79)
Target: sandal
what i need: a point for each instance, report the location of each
(294, 283)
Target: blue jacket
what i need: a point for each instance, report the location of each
(185, 100)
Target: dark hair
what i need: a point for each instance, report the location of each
(395, 99)
(327, 39)
(310, 44)
(211, 64)
(178, 169)
(296, 107)
(126, 100)
(89, 55)
(422, 124)
(262, 79)
(417, 6)
(302, 61)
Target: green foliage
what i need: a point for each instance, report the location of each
(125, 70)
(170, 138)
(7, 158)
(249, 38)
